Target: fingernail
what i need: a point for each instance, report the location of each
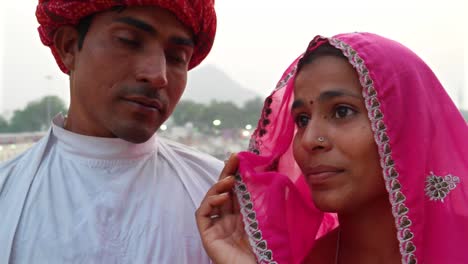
(227, 157)
(228, 178)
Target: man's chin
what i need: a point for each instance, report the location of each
(136, 134)
(138, 140)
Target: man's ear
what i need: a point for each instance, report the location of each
(66, 42)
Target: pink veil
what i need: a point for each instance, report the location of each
(423, 147)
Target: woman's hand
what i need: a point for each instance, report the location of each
(220, 222)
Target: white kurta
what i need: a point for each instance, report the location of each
(103, 200)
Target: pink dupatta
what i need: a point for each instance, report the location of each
(423, 148)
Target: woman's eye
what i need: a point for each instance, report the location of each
(343, 112)
(301, 121)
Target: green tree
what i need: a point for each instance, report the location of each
(252, 110)
(188, 112)
(230, 115)
(227, 112)
(3, 125)
(37, 115)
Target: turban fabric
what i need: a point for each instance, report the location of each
(198, 15)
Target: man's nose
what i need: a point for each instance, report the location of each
(154, 71)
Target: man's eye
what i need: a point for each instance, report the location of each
(129, 42)
(177, 58)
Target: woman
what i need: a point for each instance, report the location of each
(376, 140)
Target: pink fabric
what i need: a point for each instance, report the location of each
(198, 15)
(423, 147)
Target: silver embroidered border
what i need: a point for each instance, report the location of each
(259, 245)
(397, 198)
(285, 80)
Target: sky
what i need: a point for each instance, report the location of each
(257, 40)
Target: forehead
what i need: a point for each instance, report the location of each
(326, 72)
(161, 19)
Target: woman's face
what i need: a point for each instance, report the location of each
(334, 144)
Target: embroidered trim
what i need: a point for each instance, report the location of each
(285, 80)
(397, 198)
(259, 245)
(261, 130)
(254, 146)
(438, 187)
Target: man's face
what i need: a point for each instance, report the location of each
(130, 73)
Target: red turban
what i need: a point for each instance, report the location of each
(198, 15)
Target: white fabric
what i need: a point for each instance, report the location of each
(103, 200)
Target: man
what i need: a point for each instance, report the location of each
(102, 187)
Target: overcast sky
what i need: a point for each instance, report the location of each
(257, 39)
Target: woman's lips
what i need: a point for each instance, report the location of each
(321, 173)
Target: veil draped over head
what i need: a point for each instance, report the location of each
(423, 146)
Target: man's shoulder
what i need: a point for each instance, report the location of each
(188, 151)
(189, 161)
(16, 164)
(10, 164)
(11, 169)
(192, 155)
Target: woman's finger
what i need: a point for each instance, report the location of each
(230, 168)
(224, 185)
(217, 195)
(207, 208)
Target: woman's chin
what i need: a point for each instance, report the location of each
(327, 203)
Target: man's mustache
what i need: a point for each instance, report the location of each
(143, 91)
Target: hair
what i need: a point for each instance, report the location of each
(325, 49)
(83, 28)
(84, 24)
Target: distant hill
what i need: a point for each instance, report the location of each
(209, 83)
